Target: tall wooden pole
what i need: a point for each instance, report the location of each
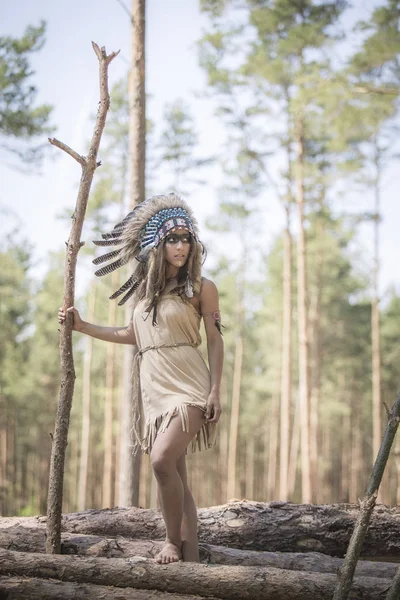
(60, 436)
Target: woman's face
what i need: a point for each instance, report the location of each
(177, 247)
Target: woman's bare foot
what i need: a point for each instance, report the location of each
(170, 552)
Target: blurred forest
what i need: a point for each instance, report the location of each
(310, 111)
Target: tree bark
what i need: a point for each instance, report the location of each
(21, 540)
(225, 582)
(15, 588)
(274, 526)
(60, 437)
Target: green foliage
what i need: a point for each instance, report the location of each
(294, 27)
(378, 56)
(15, 314)
(44, 366)
(214, 8)
(19, 117)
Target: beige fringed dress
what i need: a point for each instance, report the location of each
(172, 372)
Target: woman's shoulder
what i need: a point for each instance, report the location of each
(208, 289)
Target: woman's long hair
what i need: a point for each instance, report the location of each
(154, 270)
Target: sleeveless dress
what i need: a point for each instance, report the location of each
(171, 370)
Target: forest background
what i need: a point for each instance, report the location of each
(278, 122)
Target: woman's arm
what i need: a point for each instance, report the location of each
(118, 335)
(209, 306)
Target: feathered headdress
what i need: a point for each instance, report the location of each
(140, 233)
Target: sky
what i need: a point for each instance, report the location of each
(66, 75)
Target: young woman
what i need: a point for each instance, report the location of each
(177, 393)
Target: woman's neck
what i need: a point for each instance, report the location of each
(171, 272)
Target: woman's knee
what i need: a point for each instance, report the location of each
(162, 464)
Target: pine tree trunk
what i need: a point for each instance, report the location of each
(43, 481)
(234, 424)
(3, 456)
(375, 328)
(356, 454)
(86, 400)
(129, 473)
(273, 448)
(223, 448)
(326, 475)
(129, 464)
(345, 463)
(74, 474)
(108, 488)
(286, 376)
(153, 491)
(250, 468)
(137, 104)
(302, 308)
(316, 357)
(294, 451)
(144, 481)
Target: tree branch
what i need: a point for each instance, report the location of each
(366, 89)
(80, 159)
(367, 505)
(60, 437)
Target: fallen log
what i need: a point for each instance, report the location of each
(24, 588)
(22, 540)
(224, 582)
(273, 526)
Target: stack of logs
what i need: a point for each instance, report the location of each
(249, 550)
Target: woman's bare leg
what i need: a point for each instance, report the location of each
(167, 450)
(190, 548)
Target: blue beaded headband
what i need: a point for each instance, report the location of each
(161, 223)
